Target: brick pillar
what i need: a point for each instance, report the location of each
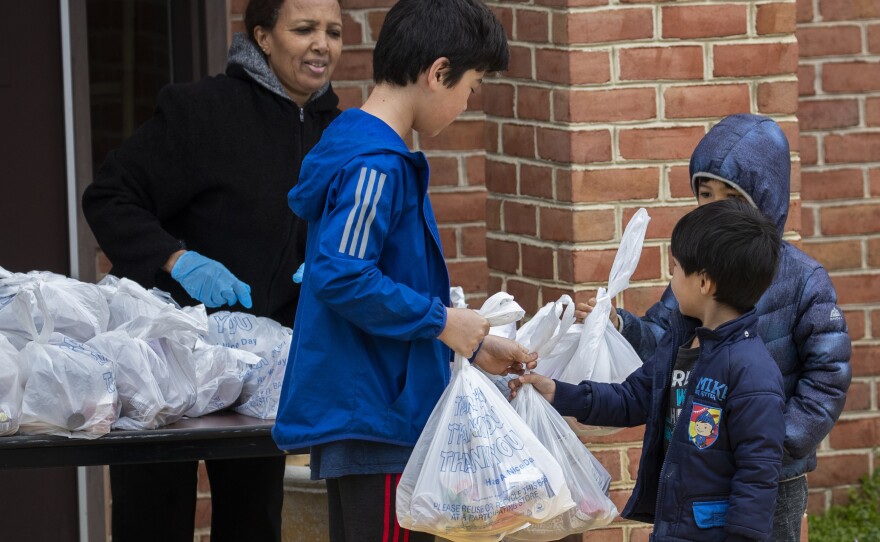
(603, 104)
(597, 116)
(839, 114)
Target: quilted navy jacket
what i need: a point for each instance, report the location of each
(709, 486)
(798, 317)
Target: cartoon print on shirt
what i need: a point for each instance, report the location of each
(678, 396)
(703, 429)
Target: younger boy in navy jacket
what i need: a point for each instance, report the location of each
(747, 157)
(711, 395)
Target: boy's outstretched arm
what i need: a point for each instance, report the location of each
(597, 403)
(544, 385)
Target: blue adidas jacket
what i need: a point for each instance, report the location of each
(364, 359)
(798, 317)
(719, 486)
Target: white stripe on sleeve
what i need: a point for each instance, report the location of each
(357, 195)
(366, 237)
(364, 203)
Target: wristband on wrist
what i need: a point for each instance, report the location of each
(477, 351)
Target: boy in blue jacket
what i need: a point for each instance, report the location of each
(710, 396)
(747, 157)
(371, 348)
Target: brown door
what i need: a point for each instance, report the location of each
(34, 226)
(33, 185)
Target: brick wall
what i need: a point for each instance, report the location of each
(839, 116)
(597, 115)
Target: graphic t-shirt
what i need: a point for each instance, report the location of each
(681, 372)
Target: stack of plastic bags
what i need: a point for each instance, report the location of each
(10, 388)
(69, 388)
(77, 359)
(269, 342)
(478, 472)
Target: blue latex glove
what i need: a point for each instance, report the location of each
(298, 276)
(209, 281)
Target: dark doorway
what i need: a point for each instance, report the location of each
(136, 46)
(33, 201)
(34, 225)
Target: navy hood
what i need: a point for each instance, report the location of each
(750, 153)
(353, 133)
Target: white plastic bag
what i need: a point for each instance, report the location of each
(70, 388)
(219, 376)
(128, 300)
(542, 333)
(478, 472)
(587, 479)
(603, 354)
(507, 330)
(10, 388)
(140, 397)
(551, 333)
(264, 337)
(79, 310)
(176, 375)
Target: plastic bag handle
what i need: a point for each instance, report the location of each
(627, 258)
(24, 301)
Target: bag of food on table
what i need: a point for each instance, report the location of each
(10, 388)
(176, 375)
(79, 310)
(219, 376)
(140, 397)
(477, 471)
(587, 479)
(267, 339)
(70, 388)
(128, 300)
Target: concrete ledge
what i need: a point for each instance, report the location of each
(304, 514)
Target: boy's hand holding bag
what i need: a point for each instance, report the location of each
(478, 472)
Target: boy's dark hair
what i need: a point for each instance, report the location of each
(418, 32)
(734, 244)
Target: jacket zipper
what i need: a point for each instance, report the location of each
(301, 129)
(662, 480)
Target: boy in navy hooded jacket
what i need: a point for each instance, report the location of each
(366, 366)
(711, 395)
(746, 156)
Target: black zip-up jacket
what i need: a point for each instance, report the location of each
(210, 172)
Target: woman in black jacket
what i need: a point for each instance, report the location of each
(195, 203)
